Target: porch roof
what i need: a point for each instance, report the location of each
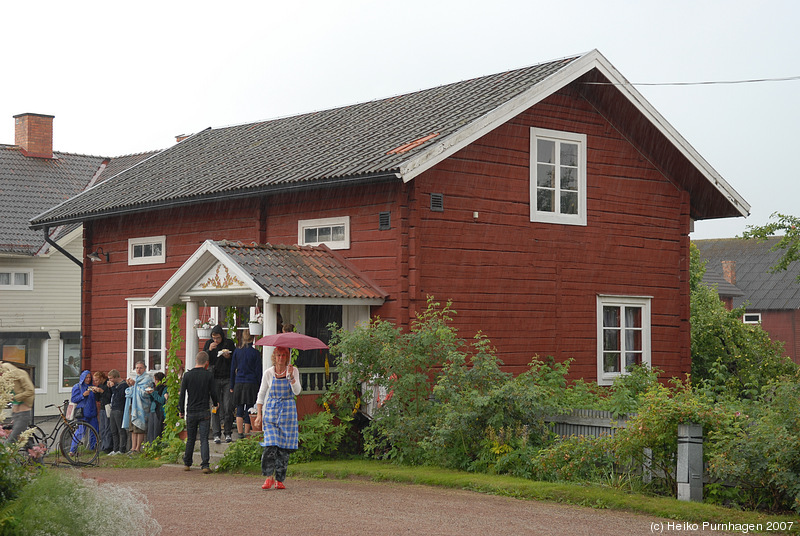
(274, 273)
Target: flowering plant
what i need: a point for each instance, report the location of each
(257, 318)
(208, 324)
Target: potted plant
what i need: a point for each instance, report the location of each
(204, 328)
(255, 325)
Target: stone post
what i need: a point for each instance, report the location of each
(690, 462)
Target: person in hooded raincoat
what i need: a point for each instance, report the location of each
(136, 396)
(83, 396)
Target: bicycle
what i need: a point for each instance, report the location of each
(78, 441)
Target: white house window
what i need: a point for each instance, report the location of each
(147, 250)
(146, 335)
(623, 335)
(27, 349)
(558, 177)
(16, 279)
(71, 362)
(752, 318)
(333, 232)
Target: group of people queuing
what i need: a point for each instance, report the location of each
(126, 412)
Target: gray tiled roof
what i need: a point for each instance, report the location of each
(30, 186)
(301, 271)
(763, 290)
(359, 141)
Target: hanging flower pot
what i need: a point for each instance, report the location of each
(204, 328)
(255, 328)
(203, 333)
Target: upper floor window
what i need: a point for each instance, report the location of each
(752, 318)
(147, 250)
(558, 177)
(146, 335)
(16, 279)
(623, 335)
(333, 232)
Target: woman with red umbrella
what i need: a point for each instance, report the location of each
(277, 414)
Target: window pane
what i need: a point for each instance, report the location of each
(569, 154)
(21, 279)
(139, 338)
(569, 179)
(154, 340)
(546, 151)
(545, 176)
(324, 234)
(147, 250)
(310, 235)
(338, 233)
(5, 278)
(632, 358)
(610, 316)
(544, 200)
(157, 249)
(633, 317)
(155, 361)
(139, 355)
(137, 250)
(633, 339)
(569, 202)
(140, 318)
(611, 339)
(155, 318)
(610, 362)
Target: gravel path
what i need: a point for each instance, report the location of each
(195, 504)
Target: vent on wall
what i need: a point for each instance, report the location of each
(384, 221)
(437, 202)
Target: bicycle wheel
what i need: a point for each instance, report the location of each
(79, 443)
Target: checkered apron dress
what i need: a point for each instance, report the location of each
(280, 416)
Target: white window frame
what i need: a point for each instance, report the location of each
(556, 216)
(302, 225)
(144, 303)
(607, 378)
(755, 318)
(12, 285)
(151, 259)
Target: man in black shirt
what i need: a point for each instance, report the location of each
(199, 382)
(220, 349)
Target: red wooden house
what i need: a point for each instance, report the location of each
(552, 204)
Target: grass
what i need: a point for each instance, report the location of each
(593, 496)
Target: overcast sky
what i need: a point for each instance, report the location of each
(123, 78)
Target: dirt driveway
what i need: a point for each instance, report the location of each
(194, 504)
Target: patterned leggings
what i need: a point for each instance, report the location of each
(275, 459)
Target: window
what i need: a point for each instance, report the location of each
(623, 335)
(16, 279)
(333, 232)
(752, 318)
(147, 250)
(27, 349)
(146, 335)
(71, 364)
(558, 177)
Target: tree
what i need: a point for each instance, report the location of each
(790, 242)
(729, 357)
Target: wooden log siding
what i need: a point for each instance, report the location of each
(586, 422)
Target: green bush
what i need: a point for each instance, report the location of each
(243, 455)
(575, 459)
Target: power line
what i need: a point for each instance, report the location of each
(707, 83)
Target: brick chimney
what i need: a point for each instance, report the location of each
(729, 271)
(33, 133)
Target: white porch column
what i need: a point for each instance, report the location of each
(270, 328)
(192, 344)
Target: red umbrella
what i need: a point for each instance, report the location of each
(292, 340)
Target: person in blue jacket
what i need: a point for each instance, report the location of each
(83, 396)
(246, 372)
